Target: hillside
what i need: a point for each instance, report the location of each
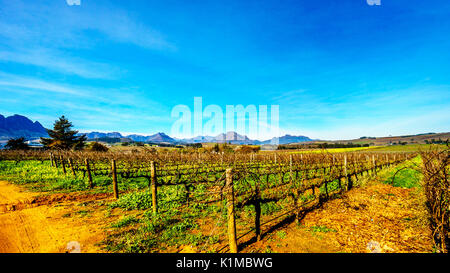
(409, 139)
(390, 140)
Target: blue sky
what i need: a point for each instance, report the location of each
(337, 69)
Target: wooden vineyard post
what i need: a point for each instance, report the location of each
(290, 169)
(257, 203)
(88, 170)
(231, 213)
(349, 180)
(374, 166)
(114, 175)
(297, 211)
(275, 158)
(63, 164)
(71, 167)
(51, 159)
(153, 187)
(186, 188)
(55, 161)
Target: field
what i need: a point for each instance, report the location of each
(408, 139)
(337, 150)
(205, 202)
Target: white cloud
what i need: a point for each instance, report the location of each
(53, 24)
(63, 63)
(32, 83)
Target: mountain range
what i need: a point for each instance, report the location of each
(21, 126)
(235, 138)
(229, 137)
(156, 138)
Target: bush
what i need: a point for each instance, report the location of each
(134, 201)
(246, 149)
(16, 144)
(97, 147)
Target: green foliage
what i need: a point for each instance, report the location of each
(216, 148)
(281, 234)
(134, 201)
(194, 145)
(126, 221)
(322, 229)
(39, 176)
(405, 175)
(63, 137)
(270, 208)
(16, 144)
(97, 147)
(246, 149)
(157, 232)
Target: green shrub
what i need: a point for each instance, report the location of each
(134, 201)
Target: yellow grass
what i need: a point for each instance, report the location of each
(334, 150)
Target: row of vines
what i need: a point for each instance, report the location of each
(298, 183)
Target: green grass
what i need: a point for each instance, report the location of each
(157, 232)
(407, 148)
(335, 150)
(126, 221)
(405, 175)
(324, 229)
(281, 234)
(134, 201)
(40, 176)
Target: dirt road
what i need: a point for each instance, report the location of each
(34, 224)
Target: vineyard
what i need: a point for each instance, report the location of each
(240, 193)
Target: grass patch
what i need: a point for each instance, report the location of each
(324, 229)
(405, 175)
(134, 201)
(334, 150)
(126, 221)
(281, 234)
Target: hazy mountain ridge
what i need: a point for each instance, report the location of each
(235, 138)
(229, 137)
(158, 137)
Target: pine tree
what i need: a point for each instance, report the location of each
(63, 137)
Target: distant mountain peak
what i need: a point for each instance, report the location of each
(20, 126)
(287, 139)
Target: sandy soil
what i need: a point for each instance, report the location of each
(41, 224)
(374, 218)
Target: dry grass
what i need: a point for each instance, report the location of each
(387, 218)
(374, 217)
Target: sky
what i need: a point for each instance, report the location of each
(336, 69)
